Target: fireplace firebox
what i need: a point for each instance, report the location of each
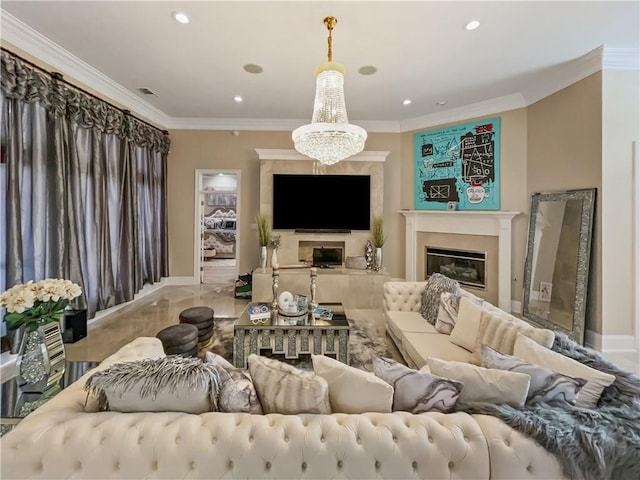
(465, 266)
(327, 257)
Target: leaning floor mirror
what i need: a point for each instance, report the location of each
(557, 264)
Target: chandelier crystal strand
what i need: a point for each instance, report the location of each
(329, 138)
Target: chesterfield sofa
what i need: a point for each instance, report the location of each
(65, 439)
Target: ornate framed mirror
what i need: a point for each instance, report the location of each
(556, 268)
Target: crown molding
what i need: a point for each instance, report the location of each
(621, 59)
(561, 76)
(34, 43)
(480, 109)
(266, 124)
(247, 124)
(287, 154)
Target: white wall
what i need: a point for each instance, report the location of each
(620, 127)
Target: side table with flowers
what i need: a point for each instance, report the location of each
(37, 308)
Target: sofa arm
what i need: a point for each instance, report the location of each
(513, 456)
(402, 296)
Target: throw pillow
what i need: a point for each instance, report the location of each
(352, 390)
(500, 334)
(447, 312)
(415, 391)
(448, 309)
(546, 386)
(467, 325)
(237, 392)
(167, 384)
(285, 389)
(597, 381)
(484, 384)
(430, 300)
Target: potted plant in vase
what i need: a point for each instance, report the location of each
(378, 239)
(31, 306)
(264, 236)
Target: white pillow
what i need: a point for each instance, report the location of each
(352, 390)
(597, 381)
(467, 324)
(484, 384)
(448, 309)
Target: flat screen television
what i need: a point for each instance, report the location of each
(321, 202)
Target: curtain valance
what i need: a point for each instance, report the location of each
(22, 81)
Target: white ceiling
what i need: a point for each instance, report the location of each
(420, 49)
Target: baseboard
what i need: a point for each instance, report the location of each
(180, 281)
(146, 290)
(610, 343)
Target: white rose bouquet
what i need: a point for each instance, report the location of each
(35, 304)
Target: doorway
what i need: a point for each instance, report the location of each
(217, 240)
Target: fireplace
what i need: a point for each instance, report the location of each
(465, 266)
(495, 224)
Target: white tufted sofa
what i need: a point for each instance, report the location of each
(61, 440)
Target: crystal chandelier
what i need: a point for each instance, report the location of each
(329, 137)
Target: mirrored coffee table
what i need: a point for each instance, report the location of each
(307, 336)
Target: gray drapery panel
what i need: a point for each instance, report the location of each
(85, 189)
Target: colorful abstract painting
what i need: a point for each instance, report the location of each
(458, 167)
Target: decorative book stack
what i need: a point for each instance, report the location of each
(322, 313)
(258, 312)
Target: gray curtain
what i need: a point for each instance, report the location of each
(82, 189)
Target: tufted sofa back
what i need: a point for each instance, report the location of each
(402, 296)
(64, 444)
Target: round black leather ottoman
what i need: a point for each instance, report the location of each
(202, 318)
(196, 315)
(181, 339)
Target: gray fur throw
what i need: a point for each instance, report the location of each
(149, 379)
(601, 443)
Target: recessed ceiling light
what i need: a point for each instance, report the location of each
(441, 103)
(238, 98)
(472, 25)
(180, 17)
(252, 68)
(406, 102)
(367, 70)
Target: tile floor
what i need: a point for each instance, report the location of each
(147, 316)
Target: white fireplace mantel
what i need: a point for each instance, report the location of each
(490, 223)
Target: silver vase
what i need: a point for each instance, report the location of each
(378, 260)
(33, 360)
(41, 361)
